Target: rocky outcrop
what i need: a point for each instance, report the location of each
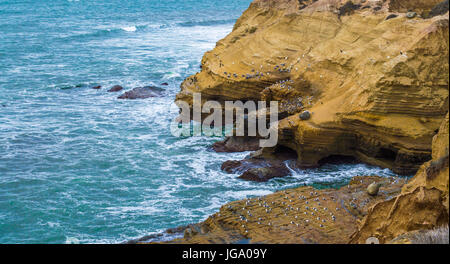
(376, 89)
(262, 165)
(303, 215)
(423, 203)
(236, 144)
(115, 88)
(142, 93)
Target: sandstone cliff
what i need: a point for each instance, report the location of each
(374, 77)
(423, 203)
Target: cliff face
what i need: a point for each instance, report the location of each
(423, 203)
(374, 77)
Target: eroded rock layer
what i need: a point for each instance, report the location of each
(376, 88)
(423, 203)
(302, 215)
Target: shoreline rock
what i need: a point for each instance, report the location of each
(302, 215)
(115, 88)
(236, 144)
(142, 93)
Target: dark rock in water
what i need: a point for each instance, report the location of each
(265, 173)
(439, 9)
(73, 86)
(391, 16)
(142, 93)
(348, 8)
(144, 239)
(164, 83)
(97, 87)
(239, 166)
(262, 165)
(115, 88)
(411, 14)
(237, 144)
(305, 115)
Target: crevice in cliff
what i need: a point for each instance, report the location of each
(338, 159)
(387, 154)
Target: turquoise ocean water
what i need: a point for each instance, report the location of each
(79, 165)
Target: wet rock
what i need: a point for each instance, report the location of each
(142, 93)
(237, 166)
(305, 115)
(115, 88)
(373, 189)
(266, 173)
(97, 87)
(176, 230)
(411, 15)
(262, 165)
(236, 144)
(164, 84)
(439, 9)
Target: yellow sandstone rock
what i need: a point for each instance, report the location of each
(302, 215)
(423, 203)
(377, 89)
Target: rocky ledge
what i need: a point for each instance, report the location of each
(302, 215)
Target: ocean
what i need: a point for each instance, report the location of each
(77, 165)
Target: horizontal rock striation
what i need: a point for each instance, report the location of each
(423, 203)
(376, 89)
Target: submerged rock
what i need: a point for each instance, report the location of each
(115, 88)
(142, 93)
(97, 87)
